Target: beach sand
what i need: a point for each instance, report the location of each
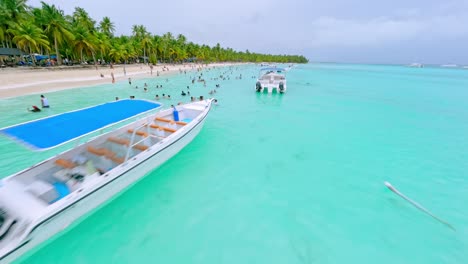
(23, 81)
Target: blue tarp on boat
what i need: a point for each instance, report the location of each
(58, 129)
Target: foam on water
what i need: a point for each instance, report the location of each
(296, 178)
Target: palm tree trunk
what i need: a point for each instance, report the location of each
(59, 59)
(81, 55)
(33, 59)
(94, 58)
(144, 55)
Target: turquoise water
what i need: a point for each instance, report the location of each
(294, 178)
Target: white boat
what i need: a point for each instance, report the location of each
(449, 66)
(416, 65)
(271, 80)
(41, 201)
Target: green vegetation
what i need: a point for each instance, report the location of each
(77, 37)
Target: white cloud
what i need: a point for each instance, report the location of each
(330, 31)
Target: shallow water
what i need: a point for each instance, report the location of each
(294, 178)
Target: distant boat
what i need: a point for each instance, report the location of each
(41, 201)
(416, 65)
(449, 65)
(270, 80)
(269, 65)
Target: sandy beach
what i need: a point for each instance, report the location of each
(23, 81)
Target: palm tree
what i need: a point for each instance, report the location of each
(12, 12)
(166, 41)
(145, 43)
(29, 37)
(102, 43)
(56, 27)
(107, 27)
(84, 41)
(82, 18)
(122, 52)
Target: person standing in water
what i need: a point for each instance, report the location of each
(44, 102)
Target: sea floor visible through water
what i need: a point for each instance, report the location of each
(293, 178)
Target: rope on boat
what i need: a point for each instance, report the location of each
(415, 204)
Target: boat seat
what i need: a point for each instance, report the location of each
(160, 119)
(139, 133)
(163, 119)
(171, 130)
(65, 163)
(126, 142)
(106, 153)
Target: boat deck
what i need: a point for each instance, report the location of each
(82, 166)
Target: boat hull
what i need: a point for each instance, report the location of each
(124, 177)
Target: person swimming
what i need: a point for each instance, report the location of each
(183, 93)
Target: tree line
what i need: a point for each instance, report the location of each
(78, 37)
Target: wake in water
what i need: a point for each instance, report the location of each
(415, 204)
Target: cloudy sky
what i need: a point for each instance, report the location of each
(367, 31)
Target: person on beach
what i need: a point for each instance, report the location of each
(168, 97)
(201, 97)
(116, 98)
(113, 78)
(44, 102)
(164, 96)
(192, 99)
(157, 97)
(34, 109)
(132, 97)
(145, 89)
(130, 81)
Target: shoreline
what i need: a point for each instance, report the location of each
(16, 82)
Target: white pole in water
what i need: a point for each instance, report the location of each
(415, 204)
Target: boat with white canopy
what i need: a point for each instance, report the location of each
(271, 80)
(41, 201)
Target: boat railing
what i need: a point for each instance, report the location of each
(132, 138)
